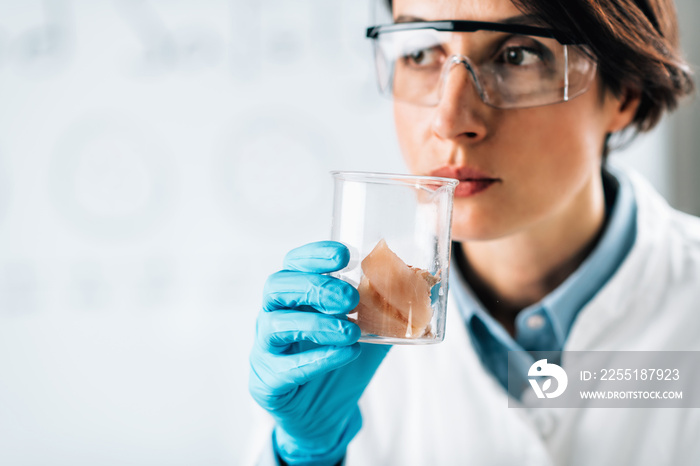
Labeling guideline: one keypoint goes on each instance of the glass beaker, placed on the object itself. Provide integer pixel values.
(398, 230)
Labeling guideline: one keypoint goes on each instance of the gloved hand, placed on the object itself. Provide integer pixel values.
(307, 369)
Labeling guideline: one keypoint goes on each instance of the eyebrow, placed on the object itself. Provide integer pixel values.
(527, 20)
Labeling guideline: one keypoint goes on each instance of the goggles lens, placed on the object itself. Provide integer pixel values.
(509, 70)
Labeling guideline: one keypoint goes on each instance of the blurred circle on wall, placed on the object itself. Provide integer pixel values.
(273, 173)
(111, 177)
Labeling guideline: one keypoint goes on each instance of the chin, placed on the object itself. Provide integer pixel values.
(473, 230)
(471, 223)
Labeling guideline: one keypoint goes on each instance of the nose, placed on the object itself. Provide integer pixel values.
(460, 112)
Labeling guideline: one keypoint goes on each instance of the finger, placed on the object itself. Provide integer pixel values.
(319, 257)
(281, 373)
(295, 290)
(278, 330)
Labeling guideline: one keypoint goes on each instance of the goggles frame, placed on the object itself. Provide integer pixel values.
(563, 38)
(472, 26)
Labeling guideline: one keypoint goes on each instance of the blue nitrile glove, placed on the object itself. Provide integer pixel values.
(307, 369)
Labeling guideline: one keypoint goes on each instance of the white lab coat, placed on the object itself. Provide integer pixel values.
(437, 405)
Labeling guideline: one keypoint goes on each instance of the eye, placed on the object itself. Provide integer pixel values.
(423, 58)
(520, 56)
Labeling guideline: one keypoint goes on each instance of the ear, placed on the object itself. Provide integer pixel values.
(624, 108)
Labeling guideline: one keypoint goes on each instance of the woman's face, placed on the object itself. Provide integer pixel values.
(518, 168)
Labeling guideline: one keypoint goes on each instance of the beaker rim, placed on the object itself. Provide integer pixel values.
(393, 178)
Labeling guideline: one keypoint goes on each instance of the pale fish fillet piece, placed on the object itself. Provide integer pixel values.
(394, 297)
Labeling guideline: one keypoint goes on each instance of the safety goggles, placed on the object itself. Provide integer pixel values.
(511, 65)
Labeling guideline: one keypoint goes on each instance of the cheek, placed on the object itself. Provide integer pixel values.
(560, 146)
(413, 134)
(545, 158)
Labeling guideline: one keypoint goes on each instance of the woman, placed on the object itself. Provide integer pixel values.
(553, 251)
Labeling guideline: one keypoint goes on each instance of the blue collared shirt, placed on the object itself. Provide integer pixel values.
(544, 326)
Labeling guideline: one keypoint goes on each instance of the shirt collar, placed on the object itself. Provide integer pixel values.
(563, 304)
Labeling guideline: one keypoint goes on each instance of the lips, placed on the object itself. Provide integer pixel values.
(471, 180)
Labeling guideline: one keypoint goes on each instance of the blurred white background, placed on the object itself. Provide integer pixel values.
(157, 160)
